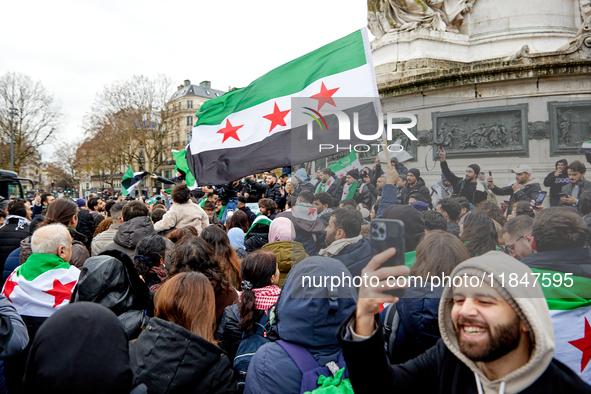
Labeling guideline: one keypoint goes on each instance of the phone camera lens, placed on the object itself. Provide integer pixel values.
(382, 231)
(375, 225)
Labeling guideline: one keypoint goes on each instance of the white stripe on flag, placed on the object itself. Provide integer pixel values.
(569, 326)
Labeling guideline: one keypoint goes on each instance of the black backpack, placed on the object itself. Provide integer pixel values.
(251, 342)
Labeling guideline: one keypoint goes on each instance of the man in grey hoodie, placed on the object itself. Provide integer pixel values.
(496, 336)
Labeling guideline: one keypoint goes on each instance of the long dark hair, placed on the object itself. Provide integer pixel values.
(197, 255)
(61, 211)
(257, 268)
(148, 254)
(240, 220)
(220, 242)
(479, 233)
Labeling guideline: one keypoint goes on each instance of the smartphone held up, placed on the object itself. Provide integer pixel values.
(385, 234)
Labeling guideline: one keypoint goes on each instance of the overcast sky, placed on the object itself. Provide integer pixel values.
(76, 47)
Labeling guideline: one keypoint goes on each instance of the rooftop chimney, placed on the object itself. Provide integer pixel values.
(205, 84)
(187, 82)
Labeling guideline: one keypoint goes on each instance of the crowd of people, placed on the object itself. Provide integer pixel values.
(202, 291)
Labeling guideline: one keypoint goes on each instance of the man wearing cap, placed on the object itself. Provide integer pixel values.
(526, 187)
(469, 187)
(415, 184)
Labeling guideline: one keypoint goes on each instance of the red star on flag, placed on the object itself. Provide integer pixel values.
(277, 118)
(9, 287)
(584, 345)
(61, 292)
(229, 131)
(311, 211)
(325, 96)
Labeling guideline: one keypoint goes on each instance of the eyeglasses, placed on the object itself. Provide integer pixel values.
(509, 248)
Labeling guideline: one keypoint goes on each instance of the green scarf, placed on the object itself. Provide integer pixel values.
(352, 190)
(39, 263)
(221, 214)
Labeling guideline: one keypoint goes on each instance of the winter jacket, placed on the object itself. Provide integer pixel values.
(309, 228)
(229, 334)
(355, 256)
(250, 214)
(586, 218)
(475, 192)
(419, 188)
(110, 279)
(527, 192)
(584, 186)
(93, 354)
(556, 183)
(309, 321)
(273, 193)
(256, 190)
(182, 215)
(304, 186)
(13, 331)
(79, 251)
(14, 230)
(129, 234)
(103, 239)
(574, 260)
(363, 195)
(453, 228)
(334, 189)
(444, 369)
(98, 218)
(288, 254)
(255, 241)
(438, 192)
(415, 328)
(170, 359)
(12, 261)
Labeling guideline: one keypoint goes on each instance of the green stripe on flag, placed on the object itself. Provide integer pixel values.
(261, 219)
(39, 263)
(344, 54)
(180, 161)
(561, 293)
(126, 181)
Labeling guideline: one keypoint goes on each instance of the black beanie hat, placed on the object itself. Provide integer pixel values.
(354, 173)
(475, 167)
(415, 172)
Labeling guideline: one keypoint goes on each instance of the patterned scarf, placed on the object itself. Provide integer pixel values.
(322, 187)
(264, 297)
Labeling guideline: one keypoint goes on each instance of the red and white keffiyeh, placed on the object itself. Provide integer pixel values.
(265, 297)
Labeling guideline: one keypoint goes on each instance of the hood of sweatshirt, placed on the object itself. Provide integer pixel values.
(528, 302)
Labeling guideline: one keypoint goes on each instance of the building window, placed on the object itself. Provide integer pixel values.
(189, 121)
(189, 104)
(188, 138)
(88, 185)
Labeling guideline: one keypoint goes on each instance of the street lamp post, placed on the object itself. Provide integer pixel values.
(13, 112)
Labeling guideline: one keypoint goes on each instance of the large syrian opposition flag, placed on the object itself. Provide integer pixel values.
(256, 128)
(130, 180)
(570, 307)
(346, 164)
(42, 285)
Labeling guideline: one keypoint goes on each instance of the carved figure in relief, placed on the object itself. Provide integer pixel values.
(385, 16)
